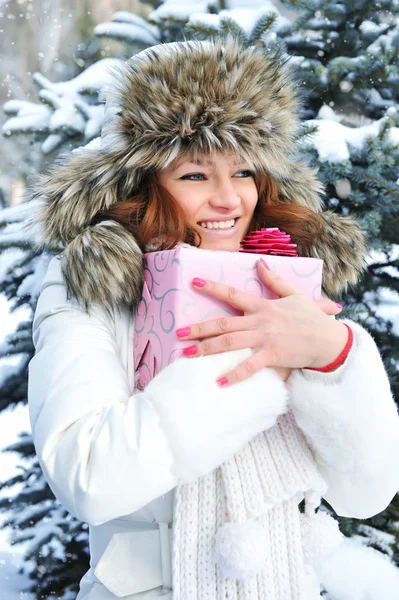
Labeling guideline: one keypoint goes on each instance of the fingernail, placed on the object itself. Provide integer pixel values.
(190, 351)
(339, 305)
(266, 265)
(183, 332)
(199, 282)
(222, 381)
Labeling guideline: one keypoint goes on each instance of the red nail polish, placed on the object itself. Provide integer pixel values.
(199, 282)
(265, 263)
(222, 381)
(183, 332)
(339, 305)
(190, 351)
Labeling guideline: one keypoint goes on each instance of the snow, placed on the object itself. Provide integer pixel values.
(385, 541)
(355, 572)
(387, 40)
(7, 369)
(197, 13)
(11, 423)
(205, 19)
(327, 113)
(251, 4)
(14, 234)
(31, 284)
(129, 27)
(29, 117)
(370, 27)
(87, 82)
(65, 115)
(52, 142)
(11, 582)
(374, 97)
(171, 9)
(94, 144)
(129, 32)
(122, 16)
(67, 109)
(332, 139)
(384, 300)
(389, 307)
(246, 18)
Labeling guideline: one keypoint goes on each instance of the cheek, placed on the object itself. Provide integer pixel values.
(251, 200)
(189, 202)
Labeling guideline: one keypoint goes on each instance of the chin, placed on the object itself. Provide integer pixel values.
(224, 245)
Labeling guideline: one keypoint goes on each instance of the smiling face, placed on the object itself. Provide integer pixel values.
(218, 195)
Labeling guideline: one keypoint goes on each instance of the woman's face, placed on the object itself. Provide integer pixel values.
(218, 195)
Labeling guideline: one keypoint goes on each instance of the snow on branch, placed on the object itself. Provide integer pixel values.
(69, 109)
(333, 140)
(246, 18)
(129, 28)
(202, 16)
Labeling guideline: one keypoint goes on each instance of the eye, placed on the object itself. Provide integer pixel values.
(244, 173)
(194, 177)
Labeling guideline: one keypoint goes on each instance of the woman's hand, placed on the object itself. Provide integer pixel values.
(289, 332)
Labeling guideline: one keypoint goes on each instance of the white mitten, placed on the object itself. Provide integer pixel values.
(207, 424)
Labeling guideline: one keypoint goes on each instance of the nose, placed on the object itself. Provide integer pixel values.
(224, 194)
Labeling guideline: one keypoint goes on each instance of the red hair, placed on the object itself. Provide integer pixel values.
(154, 213)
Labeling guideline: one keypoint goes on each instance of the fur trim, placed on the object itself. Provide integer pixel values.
(351, 422)
(104, 262)
(209, 424)
(186, 96)
(343, 249)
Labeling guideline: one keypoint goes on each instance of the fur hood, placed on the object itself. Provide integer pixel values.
(183, 96)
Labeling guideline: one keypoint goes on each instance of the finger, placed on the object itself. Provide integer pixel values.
(224, 343)
(277, 284)
(226, 293)
(214, 327)
(328, 306)
(244, 370)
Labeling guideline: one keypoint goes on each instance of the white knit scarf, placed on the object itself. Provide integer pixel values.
(238, 531)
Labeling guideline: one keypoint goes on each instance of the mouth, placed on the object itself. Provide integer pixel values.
(225, 232)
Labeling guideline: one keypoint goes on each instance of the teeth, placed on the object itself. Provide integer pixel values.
(218, 224)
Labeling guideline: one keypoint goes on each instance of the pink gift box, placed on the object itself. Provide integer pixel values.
(169, 300)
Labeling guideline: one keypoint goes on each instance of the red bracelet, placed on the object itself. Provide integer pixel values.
(341, 358)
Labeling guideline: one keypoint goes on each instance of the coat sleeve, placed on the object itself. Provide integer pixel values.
(351, 422)
(107, 452)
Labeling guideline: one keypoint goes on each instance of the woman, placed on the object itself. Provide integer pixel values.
(279, 405)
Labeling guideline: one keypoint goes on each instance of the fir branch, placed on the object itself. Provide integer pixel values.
(165, 21)
(230, 27)
(200, 31)
(9, 483)
(304, 5)
(263, 25)
(363, 175)
(23, 446)
(305, 132)
(15, 243)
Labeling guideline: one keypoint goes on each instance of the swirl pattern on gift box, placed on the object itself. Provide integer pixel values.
(169, 300)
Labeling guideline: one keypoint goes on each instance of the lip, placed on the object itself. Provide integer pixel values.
(223, 233)
(216, 220)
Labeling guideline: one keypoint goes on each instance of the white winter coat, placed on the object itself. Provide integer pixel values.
(113, 458)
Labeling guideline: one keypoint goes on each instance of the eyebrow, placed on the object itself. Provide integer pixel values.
(209, 163)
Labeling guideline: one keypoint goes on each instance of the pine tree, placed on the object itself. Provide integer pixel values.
(345, 55)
